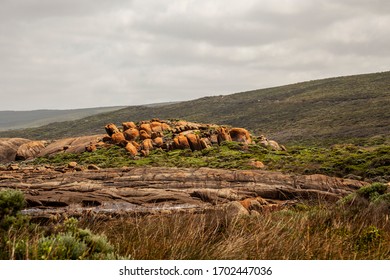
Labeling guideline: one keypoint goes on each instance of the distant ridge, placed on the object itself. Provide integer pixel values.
(35, 118)
(334, 110)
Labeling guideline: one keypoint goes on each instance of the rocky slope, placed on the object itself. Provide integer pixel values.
(152, 190)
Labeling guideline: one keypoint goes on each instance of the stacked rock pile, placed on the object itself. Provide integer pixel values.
(140, 138)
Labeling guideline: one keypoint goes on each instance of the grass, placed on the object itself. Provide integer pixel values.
(348, 160)
(357, 228)
(318, 232)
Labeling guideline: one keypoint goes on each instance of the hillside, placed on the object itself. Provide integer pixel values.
(36, 118)
(327, 110)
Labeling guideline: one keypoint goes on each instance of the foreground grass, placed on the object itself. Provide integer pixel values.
(320, 232)
(357, 227)
(360, 162)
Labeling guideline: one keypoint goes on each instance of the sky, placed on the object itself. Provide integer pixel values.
(57, 54)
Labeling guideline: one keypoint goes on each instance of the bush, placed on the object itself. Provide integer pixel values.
(11, 202)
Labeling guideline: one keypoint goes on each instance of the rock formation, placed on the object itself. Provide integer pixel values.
(139, 139)
(171, 134)
(152, 189)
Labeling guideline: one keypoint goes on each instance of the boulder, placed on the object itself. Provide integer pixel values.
(72, 164)
(147, 144)
(118, 138)
(234, 210)
(30, 150)
(194, 142)
(131, 149)
(131, 134)
(111, 129)
(257, 164)
(158, 142)
(205, 143)
(9, 148)
(146, 127)
(70, 145)
(156, 126)
(223, 135)
(143, 134)
(269, 144)
(181, 142)
(128, 125)
(240, 135)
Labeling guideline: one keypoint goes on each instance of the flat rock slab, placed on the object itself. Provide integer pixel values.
(151, 188)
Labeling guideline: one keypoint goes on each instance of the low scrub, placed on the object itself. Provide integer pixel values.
(348, 160)
(20, 239)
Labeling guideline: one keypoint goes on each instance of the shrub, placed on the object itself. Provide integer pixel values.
(11, 202)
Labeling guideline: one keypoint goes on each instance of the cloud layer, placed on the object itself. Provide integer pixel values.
(73, 54)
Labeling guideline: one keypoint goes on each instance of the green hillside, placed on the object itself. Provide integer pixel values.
(351, 108)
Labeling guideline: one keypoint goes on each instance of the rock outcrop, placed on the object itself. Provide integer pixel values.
(169, 134)
(137, 138)
(147, 190)
(9, 148)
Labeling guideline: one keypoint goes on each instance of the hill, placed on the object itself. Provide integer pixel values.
(25, 119)
(328, 110)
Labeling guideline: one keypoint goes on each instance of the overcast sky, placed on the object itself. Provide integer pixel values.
(89, 53)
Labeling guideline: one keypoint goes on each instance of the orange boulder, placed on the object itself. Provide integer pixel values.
(118, 137)
(194, 142)
(240, 135)
(131, 149)
(181, 142)
(147, 144)
(128, 125)
(111, 129)
(131, 134)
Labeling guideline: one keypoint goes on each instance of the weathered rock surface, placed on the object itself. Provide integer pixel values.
(9, 148)
(70, 145)
(146, 190)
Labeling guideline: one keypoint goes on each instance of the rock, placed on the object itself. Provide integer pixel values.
(30, 150)
(240, 135)
(223, 135)
(205, 143)
(147, 144)
(257, 164)
(181, 142)
(178, 189)
(194, 142)
(156, 126)
(90, 148)
(72, 164)
(131, 149)
(73, 145)
(158, 142)
(143, 134)
(234, 210)
(118, 138)
(253, 204)
(9, 148)
(93, 167)
(269, 144)
(111, 129)
(13, 167)
(128, 125)
(131, 134)
(146, 127)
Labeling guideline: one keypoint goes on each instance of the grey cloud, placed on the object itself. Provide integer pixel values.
(68, 54)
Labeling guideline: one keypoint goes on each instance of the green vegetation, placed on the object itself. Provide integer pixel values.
(337, 110)
(21, 239)
(348, 160)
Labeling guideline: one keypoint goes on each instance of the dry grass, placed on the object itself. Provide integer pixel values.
(313, 233)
